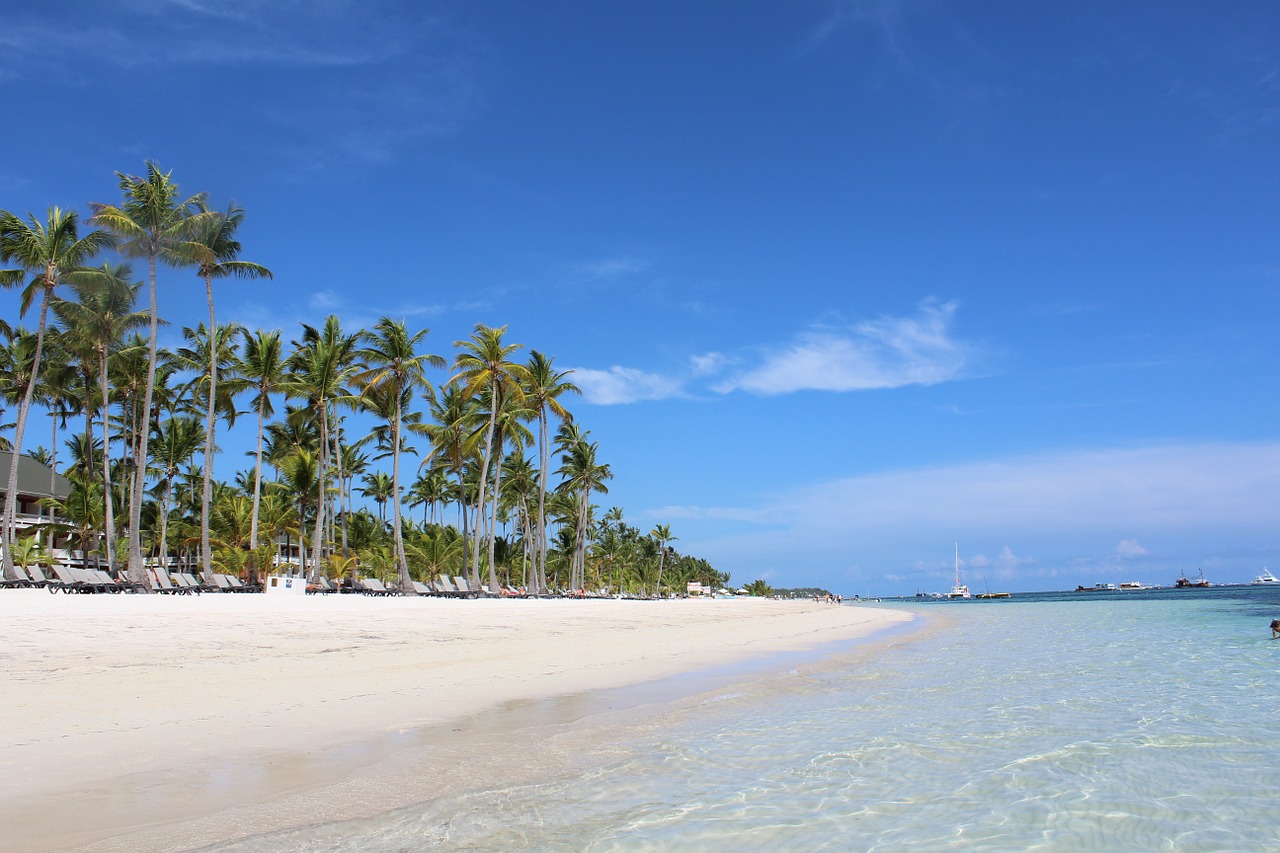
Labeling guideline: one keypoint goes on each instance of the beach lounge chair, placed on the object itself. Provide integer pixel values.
(192, 582)
(21, 581)
(373, 586)
(38, 578)
(422, 589)
(219, 583)
(68, 582)
(464, 589)
(160, 583)
(110, 584)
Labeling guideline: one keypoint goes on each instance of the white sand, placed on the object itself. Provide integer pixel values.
(129, 713)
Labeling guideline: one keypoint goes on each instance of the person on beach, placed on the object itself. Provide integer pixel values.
(1275, 628)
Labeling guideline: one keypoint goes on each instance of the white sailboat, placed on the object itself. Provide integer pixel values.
(958, 590)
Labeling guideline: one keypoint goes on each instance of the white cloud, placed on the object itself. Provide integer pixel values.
(1069, 508)
(708, 364)
(886, 353)
(624, 385)
(610, 267)
(1130, 548)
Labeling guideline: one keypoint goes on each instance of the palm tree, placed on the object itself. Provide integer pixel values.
(262, 366)
(56, 392)
(211, 352)
(98, 319)
(508, 426)
(583, 475)
(321, 366)
(177, 440)
(545, 386)
(150, 223)
(662, 533)
(430, 488)
(216, 251)
(483, 365)
(379, 486)
(397, 371)
(53, 252)
(453, 441)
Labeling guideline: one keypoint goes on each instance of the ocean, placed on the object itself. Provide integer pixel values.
(1073, 721)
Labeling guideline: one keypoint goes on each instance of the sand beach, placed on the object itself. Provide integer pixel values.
(165, 723)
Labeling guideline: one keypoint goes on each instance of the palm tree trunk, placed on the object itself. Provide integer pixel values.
(11, 492)
(137, 568)
(544, 460)
(322, 476)
(206, 484)
(402, 562)
(484, 480)
(108, 494)
(257, 480)
(493, 518)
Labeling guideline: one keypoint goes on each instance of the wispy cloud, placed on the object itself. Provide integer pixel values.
(1069, 509)
(1130, 548)
(338, 84)
(624, 385)
(886, 353)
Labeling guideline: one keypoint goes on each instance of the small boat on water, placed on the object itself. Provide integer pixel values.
(958, 590)
(989, 594)
(1184, 582)
(1265, 578)
(1097, 587)
(1134, 585)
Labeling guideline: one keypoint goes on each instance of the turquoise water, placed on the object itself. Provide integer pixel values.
(1096, 722)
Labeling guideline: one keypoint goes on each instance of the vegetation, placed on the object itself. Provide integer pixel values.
(505, 476)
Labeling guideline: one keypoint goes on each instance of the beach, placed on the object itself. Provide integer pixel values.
(153, 723)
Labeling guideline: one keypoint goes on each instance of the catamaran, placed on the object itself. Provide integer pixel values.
(958, 590)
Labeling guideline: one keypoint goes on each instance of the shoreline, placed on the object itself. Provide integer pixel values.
(220, 717)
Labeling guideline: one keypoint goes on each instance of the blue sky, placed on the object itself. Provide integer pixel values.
(844, 283)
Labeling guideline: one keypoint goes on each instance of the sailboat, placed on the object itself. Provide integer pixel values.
(958, 590)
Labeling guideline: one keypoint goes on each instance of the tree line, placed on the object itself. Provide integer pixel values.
(506, 479)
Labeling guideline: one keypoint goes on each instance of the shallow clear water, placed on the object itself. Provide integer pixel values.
(1100, 721)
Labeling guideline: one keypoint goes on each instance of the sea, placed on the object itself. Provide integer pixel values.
(1133, 721)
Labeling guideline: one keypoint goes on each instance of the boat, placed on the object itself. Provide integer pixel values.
(989, 594)
(1265, 578)
(1184, 582)
(958, 590)
(1097, 587)
(1132, 585)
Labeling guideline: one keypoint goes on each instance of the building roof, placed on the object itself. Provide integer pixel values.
(34, 478)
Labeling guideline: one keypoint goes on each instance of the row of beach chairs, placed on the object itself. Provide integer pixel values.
(68, 579)
(444, 587)
(72, 579)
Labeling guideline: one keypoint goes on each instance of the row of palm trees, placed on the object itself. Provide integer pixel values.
(149, 413)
